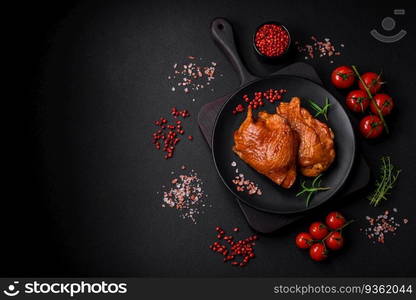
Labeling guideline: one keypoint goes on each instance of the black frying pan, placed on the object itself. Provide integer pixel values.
(275, 199)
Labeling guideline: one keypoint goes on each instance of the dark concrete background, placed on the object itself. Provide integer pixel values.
(92, 77)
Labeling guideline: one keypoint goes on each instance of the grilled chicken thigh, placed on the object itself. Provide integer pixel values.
(316, 147)
(268, 145)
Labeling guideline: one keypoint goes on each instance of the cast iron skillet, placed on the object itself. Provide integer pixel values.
(274, 198)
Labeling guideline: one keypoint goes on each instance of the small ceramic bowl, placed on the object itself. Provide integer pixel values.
(272, 58)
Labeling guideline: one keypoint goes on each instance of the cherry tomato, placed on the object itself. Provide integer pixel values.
(304, 240)
(357, 100)
(335, 220)
(371, 127)
(384, 103)
(335, 240)
(318, 252)
(318, 230)
(343, 77)
(372, 81)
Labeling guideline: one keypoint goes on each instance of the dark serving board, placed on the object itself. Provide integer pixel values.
(266, 222)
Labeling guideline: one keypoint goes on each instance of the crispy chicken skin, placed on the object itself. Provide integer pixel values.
(316, 147)
(268, 145)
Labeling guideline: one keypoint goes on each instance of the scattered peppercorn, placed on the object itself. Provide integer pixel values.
(259, 99)
(232, 249)
(167, 136)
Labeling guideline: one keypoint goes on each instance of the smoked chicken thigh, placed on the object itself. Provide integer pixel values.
(268, 145)
(316, 146)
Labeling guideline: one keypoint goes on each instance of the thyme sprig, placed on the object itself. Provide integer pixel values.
(386, 181)
(309, 191)
(321, 110)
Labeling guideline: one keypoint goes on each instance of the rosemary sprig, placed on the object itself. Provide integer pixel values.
(387, 179)
(321, 110)
(371, 97)
(315, 187)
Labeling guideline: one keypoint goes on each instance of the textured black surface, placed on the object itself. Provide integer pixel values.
(84, 176)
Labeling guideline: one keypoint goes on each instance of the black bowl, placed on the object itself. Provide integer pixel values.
(272, 58)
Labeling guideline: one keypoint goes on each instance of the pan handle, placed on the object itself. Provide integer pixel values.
(223, 35)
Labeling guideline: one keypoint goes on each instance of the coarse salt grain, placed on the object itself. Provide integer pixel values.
(242, 184)
(186, 195)
(380, 226)
(193, 75)
(316, 48)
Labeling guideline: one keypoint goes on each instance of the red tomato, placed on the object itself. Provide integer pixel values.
(384, 103)
(371, 127)
(343, 77)
(335, 220)
(304, 240)
(318, 252)
(335, 241)
(372, 81)
(357, 100)
(318, 230)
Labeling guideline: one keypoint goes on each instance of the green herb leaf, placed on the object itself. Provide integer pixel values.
(321, 110)
(387, 178)
(315, 187)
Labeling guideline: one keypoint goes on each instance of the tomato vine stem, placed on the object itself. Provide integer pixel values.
(371, 98)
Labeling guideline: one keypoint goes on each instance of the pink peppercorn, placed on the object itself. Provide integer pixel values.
(272, 40)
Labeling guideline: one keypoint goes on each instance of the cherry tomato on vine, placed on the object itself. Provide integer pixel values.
(372, 81)
(304, 240)
(335, 220)
(357, 100)
(371, 127)
(335, 240)
(343, 77)
(318, 230)
(384, 103)
(318, 252)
